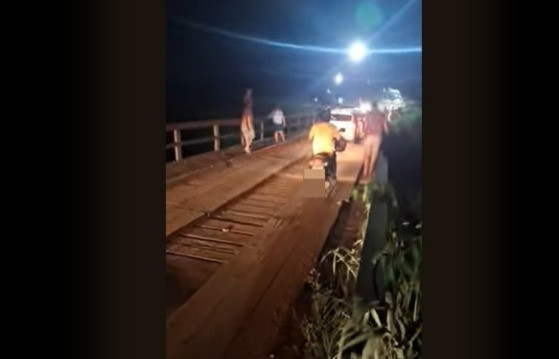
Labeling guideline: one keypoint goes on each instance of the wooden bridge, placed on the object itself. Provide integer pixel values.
(241, 238)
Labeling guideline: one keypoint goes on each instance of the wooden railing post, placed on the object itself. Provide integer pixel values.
(217, 142)
(178, 144)
(261, 130)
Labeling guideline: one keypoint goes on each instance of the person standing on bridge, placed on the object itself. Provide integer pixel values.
(375, 127)
(279, 124)
(247, 127)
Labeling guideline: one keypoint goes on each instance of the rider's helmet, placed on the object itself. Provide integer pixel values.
(324, 115)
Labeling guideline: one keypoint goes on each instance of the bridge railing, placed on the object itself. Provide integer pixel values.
(294, 123)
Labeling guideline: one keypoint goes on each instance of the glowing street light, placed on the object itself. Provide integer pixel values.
(338, 79)
(340, 100)
(328, 91)
(357, 51)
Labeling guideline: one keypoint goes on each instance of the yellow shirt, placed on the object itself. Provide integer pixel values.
(322, 136)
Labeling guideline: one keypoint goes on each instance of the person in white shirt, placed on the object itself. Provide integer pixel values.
(278, 120)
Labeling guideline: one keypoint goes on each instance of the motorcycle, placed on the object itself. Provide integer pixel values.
(321, 161)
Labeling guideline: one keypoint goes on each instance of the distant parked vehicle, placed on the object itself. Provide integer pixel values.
(347, 122)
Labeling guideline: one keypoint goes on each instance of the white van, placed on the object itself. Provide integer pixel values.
(344, 118)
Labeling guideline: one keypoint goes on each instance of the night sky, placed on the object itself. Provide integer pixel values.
(207, 72)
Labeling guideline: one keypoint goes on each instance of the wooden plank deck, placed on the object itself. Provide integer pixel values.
(197, 195)
(178, 171)
(222, 229)
(255, 285)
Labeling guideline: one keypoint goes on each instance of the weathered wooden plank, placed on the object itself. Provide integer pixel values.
(259, 203)
(251, 212)
(203, 242)
(288, 280)
(247, 208)
(216, 234)
(195, 250)
(237, 218)
(196, 182)
(176, 217)
(258, 335)
(217, 312)
(180, 193)
(233, 156)
(226, 226)
(189, 327)
(276, 200)
(220, 192)
(208, 239)
(273, 192)
(181, 283)
(207, 251)
(277, 189)
(235, 183)
(193, 256)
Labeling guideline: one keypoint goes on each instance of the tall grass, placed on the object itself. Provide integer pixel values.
(339, 327)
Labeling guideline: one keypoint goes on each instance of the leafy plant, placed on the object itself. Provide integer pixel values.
(323, 329)
(341, 329)
(331, 301)
(391, 329)
(342, 268)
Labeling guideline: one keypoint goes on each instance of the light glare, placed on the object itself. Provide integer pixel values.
(338, 79)
(357, 51)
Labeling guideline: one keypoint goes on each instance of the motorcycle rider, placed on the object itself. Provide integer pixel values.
(324, 136)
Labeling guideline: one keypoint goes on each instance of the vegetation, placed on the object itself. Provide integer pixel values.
(409, 122)
(340, 328)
